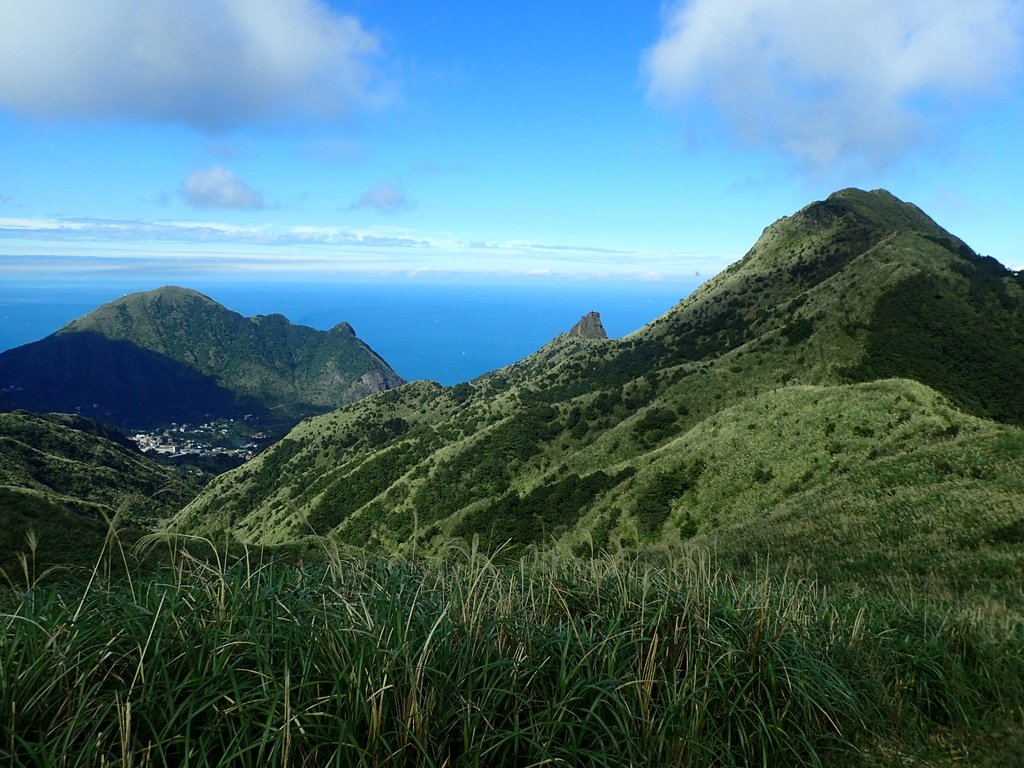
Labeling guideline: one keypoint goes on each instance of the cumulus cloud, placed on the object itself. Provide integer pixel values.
(207, 63)
(830, 83)
(386, 197)
(219, 188)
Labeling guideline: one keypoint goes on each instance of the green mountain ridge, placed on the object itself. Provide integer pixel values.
(843, 314)
(265, 357)
(173, 354)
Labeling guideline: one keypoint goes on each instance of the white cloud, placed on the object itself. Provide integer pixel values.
(386, 197)
(838, 82)
(207, 63)
(219, 188)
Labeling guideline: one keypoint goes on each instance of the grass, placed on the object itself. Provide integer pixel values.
(354, 660)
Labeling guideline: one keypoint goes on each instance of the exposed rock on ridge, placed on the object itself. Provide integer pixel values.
(589, 327)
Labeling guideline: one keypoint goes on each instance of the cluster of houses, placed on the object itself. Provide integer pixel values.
(209, 439)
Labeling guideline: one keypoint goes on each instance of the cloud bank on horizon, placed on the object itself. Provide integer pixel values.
(210, 64)
(47, 247)
(848, 81)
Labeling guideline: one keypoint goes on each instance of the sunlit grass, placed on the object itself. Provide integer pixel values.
(362, 661)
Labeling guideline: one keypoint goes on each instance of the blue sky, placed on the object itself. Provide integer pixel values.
(502, 140)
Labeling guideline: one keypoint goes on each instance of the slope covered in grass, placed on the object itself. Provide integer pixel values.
(174, 355)
(781, 525)
(61, 476)
(609, 662)
(732, 405)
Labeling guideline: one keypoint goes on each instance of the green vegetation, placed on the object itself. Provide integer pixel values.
(972, 352)
(468, 662)
(62, 477)
(946, 518)
(174, 355)
(654, 504)
(855, 289)
(781, 525)
(543, 514)
(264, 357)
(350, 491)
(113, 381)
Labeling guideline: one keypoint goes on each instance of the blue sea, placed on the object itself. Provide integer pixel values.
(446, 332)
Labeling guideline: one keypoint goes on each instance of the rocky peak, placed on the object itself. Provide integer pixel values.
(589, 327)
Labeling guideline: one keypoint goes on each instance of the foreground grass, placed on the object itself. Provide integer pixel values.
(360, 661)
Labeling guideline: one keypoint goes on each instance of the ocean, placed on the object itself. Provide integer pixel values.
(445, 332)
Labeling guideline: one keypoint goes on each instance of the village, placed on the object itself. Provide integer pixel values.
(219, 437)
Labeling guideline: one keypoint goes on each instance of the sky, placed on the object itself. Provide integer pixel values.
(619, 140)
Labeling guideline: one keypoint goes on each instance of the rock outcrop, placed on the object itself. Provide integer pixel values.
(589, 327)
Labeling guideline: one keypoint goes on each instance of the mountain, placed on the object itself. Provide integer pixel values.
(175, 355)
(62, 476)
(857, 358)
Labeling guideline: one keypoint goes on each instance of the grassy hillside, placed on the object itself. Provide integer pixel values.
(265, 357)
(61, 477)
(175, 355)
(607, 662)
(732, 408)
(880, 484)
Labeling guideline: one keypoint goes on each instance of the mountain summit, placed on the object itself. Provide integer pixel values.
(858, 287)
(173, 354)
(853, 333)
